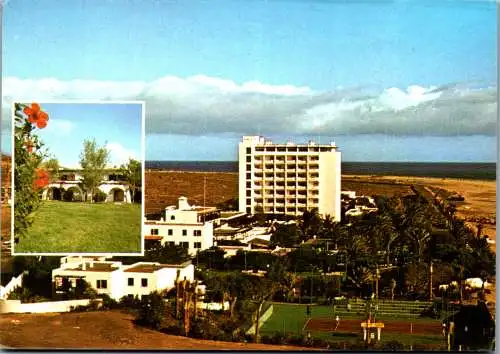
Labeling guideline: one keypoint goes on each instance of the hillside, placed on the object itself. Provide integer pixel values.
(101, 330)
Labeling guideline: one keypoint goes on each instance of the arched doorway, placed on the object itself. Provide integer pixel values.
(117, 195)
(73, 194)
(54, 193)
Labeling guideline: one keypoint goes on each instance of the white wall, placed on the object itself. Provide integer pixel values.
(15, 306)
(206, 238)
(137, 288)
(91, 277)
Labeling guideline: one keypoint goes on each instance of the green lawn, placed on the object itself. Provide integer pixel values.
(291, 318)
(68, 227)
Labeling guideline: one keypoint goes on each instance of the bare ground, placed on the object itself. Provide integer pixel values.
(101, 330)
(480, 196)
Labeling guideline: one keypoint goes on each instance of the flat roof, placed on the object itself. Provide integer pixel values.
(144, 268)
(96, 267)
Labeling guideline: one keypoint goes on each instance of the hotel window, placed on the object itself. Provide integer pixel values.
(171, 243)
(184, 244)
(102, 284)
(130, 281)
(144, 282)
(196, 232)
(249, 184)
(249, 158)
(249, 193)
(184, 232)
(249, 150)
(170, 232)
(249, 175)
(249, 210)
(154, 231)
(197, 245)
(172, 217)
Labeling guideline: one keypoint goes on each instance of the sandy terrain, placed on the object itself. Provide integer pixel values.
(101, 330)
(480, 196)
(163, 188)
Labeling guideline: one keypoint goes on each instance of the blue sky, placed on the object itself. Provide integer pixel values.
(116, 126)
(388, 81)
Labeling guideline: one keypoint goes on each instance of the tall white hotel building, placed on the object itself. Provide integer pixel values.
(289, 178)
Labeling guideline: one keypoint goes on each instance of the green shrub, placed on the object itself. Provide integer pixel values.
(108, 303)
(151, 311)
(68, 195)
(130, 302)
(100, 196)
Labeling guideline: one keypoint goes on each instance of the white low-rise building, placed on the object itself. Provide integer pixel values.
(188, 226)
(113, 185)
(118, 280)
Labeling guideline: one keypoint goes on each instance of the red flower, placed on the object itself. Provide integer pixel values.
(35, 115)
(42, 178)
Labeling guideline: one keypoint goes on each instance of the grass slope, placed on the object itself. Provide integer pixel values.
(62, 227)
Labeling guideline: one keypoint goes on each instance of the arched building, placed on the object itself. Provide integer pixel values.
(69, 187)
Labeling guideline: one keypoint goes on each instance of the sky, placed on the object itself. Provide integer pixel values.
(118, 127)
(387, 81)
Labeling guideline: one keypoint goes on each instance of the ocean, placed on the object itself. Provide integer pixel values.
(471, 170)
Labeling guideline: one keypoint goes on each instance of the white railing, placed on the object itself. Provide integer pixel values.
(13, 283)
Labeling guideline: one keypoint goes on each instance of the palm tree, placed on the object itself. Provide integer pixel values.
(310, 223)
(332, 230)
(388, 233)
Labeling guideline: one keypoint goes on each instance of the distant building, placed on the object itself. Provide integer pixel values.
(118, 280)
(113, 185)
(188, 226)
(289, 178)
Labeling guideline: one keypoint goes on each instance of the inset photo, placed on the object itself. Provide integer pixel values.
(78, 174)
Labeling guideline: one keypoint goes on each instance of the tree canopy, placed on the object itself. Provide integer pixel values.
(93, 160)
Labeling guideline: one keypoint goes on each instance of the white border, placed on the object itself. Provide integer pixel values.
(143, 162)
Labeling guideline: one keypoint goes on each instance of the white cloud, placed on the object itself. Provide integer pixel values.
(119, 155)
(201, 105)
(60, 127)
